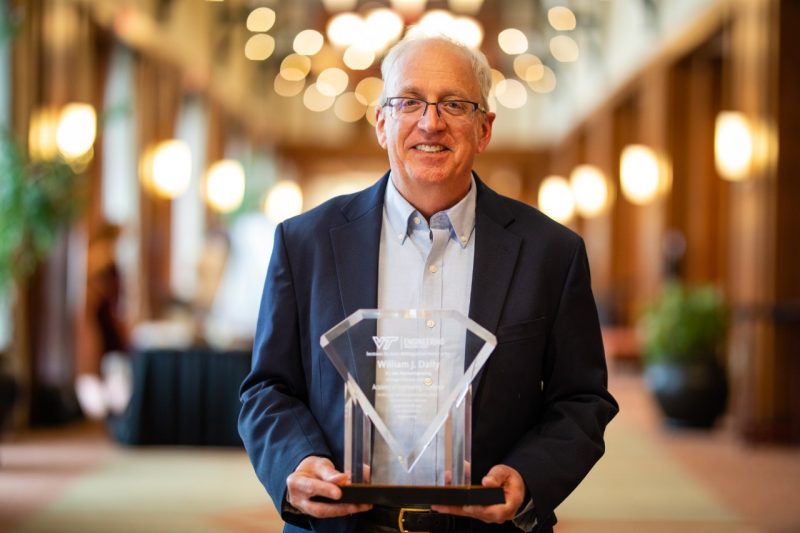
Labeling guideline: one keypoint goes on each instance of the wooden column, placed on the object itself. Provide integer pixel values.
(764, 258)
(597, 232)
(158, 94)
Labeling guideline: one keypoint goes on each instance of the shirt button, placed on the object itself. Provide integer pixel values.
(463, 238)
(428, 381)
(416, 220)
(433, 269)
(430, 323)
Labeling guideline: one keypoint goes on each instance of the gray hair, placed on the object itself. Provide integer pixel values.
(478, 62)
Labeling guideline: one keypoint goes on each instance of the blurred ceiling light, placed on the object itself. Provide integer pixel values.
(468, 31)
(344, 29)
(561, 18)
(434, 22)
(408, 7)
(528, 67)
(225, 185)
(564, 48)
(261, 19)
(288, 88)
(332, 6)
(465, 30)
(172, 168)
(512, 41)
(511, 94)
(77, 128)
(556, 200)
(733, 145)
(295, 67)
(368, 90)
(497, 77)
(590, 189)
(314, 100)
(308, 42)
(332, 81)
(465, 6)
(259, 47)
(383, 27)
(357, 58)
(349, 108)
(284, 200)
(42, 133)
(639, 174)
(545, 84)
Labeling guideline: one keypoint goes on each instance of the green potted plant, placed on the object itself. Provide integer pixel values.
(683, 333)
(38, 200)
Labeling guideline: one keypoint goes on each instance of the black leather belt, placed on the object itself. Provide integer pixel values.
(416, 520)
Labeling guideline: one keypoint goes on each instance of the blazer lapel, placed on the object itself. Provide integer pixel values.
(356, 246)
(496, 252)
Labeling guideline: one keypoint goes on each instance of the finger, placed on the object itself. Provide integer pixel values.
(301, 488)
(331, 510)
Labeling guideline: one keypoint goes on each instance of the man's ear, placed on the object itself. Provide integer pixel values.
(380, 126)
(485, 134)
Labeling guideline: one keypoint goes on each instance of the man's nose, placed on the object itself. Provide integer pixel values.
(431, 119)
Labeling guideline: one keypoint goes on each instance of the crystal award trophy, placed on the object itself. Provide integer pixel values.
(407, 397)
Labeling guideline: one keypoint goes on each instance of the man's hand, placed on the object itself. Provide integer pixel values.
(316, 476)
(513, 488)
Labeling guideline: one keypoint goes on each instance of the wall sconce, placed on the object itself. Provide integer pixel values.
(170, 168)
(77, 129)
(590, 190)
(284, 200)
(42, 129)
(733, 145)
(640, 174)
(70, 132)
(225, 185)
(556, 200)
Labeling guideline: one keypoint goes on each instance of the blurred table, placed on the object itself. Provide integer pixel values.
(183, 397)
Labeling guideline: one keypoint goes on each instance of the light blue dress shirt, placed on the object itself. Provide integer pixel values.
(425, 265)
(422, 265)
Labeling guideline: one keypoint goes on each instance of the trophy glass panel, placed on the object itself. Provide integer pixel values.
(408, 377)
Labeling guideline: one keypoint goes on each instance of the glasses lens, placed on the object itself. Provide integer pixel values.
(455, 108)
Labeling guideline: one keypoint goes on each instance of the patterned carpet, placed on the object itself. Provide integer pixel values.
(635, 488)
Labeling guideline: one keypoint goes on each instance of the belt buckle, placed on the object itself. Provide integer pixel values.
(401, 517)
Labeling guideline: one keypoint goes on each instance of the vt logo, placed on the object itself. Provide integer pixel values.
(384, 342)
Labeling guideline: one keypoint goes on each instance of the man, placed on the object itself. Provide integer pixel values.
(542, 405)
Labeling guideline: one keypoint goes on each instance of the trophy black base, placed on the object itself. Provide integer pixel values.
(407, 495)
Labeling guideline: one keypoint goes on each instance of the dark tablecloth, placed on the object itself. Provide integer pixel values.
(183, 397)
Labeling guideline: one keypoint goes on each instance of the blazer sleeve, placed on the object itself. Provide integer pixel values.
(275, 423)
(557, 453)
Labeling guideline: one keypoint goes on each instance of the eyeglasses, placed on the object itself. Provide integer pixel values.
(414, 108)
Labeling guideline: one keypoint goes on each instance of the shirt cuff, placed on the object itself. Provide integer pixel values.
(526, 519)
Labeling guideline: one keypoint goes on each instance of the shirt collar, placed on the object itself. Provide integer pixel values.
(462, 215)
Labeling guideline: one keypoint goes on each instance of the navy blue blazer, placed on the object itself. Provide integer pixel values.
(542, 403)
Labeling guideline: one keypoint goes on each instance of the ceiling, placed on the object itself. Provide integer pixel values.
(207, 39)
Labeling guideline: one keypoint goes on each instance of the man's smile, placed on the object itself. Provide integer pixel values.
(430, 148)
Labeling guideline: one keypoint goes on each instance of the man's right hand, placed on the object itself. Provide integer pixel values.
(316, 476)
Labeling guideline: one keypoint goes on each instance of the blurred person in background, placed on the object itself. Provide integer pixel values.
(103, 381)
(541, 408)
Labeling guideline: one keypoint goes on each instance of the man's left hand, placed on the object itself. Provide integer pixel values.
(513, 488)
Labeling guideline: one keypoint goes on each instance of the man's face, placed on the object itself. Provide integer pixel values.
(433, 150)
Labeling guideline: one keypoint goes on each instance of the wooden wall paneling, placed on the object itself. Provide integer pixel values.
(787, 263)
(650, 218)
(54, 62)
(598, 231)
(158, 96)
(697, 197)
(762, 225)
(624, 260)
